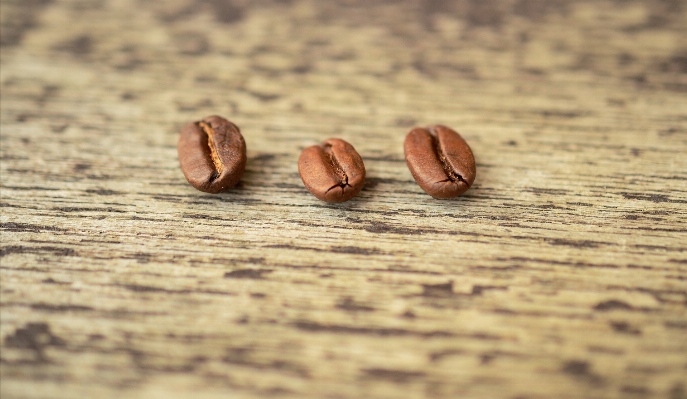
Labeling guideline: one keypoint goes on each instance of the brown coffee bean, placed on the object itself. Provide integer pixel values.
(440, 161)
(212, 154)
(332, 171)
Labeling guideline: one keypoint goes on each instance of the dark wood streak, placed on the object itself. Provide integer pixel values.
(380, 332)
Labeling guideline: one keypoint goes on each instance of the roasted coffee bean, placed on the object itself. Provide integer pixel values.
(212, 154)
(332, 171)
(440, 161)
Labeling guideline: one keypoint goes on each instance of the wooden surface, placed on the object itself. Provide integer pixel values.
(562, 273)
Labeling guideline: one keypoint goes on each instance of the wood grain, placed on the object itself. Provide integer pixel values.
(560, 274)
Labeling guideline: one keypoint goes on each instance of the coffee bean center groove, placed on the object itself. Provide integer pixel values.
(452, 175)
(212, 145)
(337, 169)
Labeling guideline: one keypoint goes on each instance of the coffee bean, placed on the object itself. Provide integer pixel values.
(212, 154)
(332, 171)
(440, 161)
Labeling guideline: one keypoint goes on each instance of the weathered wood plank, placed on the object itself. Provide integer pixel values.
(561, 273)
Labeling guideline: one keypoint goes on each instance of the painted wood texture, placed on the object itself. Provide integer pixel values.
(562, 273)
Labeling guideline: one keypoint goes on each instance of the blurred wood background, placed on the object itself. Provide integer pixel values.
(561, 274)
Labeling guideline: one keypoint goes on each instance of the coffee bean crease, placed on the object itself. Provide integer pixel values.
(212, 147)
(451, 174)
(343, 183)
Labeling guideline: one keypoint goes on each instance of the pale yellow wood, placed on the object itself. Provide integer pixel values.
(561, 274)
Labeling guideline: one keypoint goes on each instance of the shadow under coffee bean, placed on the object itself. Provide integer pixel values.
(212, 154)
(440, 161)
(332, 171)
